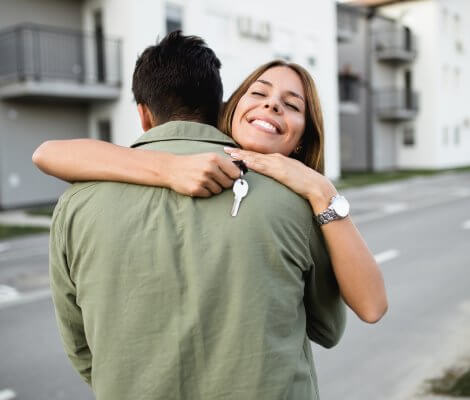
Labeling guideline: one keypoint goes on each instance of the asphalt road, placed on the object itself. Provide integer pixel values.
(419, 230)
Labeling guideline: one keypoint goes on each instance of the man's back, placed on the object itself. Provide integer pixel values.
(179, 300)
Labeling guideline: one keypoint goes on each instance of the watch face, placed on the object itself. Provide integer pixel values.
(341, 206)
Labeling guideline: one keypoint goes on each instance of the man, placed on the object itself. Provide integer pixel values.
(162, 296)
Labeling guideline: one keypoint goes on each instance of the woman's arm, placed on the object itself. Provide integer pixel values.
(359, 277)
(87, 159)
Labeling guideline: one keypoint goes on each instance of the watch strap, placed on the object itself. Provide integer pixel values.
(326, 216)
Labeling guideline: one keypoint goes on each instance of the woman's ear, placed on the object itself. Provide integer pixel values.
(299, 147)
(146, 118)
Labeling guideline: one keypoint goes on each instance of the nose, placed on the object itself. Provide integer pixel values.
(273, 104)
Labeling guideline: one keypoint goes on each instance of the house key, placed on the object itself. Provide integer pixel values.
(240, 190)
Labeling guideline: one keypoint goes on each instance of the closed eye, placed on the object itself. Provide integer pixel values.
(292, 106)
(258, 94)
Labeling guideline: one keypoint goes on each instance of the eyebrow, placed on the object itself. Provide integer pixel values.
(289, 91)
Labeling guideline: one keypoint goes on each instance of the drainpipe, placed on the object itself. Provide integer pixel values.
(369, 54)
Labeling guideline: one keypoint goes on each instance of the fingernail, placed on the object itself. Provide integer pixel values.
(228, 149)
(235, 155)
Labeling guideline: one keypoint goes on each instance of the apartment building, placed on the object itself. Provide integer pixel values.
(378, 100)
(441, 135)
(420, 50)
(66, 67)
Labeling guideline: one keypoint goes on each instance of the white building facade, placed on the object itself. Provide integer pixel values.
(244, 34)
(442, 77)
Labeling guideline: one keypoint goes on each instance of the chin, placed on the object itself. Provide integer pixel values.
(264, 148)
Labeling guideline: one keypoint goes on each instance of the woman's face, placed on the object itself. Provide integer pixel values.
(270, 116)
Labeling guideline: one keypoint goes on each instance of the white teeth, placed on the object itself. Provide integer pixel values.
(264, 124)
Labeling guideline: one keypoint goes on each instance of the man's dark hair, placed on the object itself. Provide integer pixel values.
(179, 79)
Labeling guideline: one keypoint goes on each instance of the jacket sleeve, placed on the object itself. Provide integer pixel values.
(68, 313)
(325, 310)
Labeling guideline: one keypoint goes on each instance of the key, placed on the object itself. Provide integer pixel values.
(240, 190)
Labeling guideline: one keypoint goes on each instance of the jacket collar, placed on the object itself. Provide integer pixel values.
(184, 130)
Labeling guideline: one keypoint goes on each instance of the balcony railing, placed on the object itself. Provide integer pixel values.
(396, 45)
(397, 105)
(42, 61)
(347, 20)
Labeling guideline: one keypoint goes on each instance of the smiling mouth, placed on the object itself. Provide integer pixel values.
(265, 126)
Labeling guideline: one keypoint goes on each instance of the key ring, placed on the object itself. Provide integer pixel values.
(240, 164)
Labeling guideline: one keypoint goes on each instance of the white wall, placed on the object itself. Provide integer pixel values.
(454, 82)
(309, 32)
(444, 99)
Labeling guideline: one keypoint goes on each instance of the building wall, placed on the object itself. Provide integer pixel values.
(26, 124)
(443, 81)
(367, 141)
(453, 83)
(61, 13)
(353, 55)
(384, 76)
(23, 127)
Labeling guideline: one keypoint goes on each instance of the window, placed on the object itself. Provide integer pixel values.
(457, 77)
(104, 130)
(174, 18)
(457, 135)
(445, 136)
(311, 61)
(348, 85)
(409, 136)
(457, 24)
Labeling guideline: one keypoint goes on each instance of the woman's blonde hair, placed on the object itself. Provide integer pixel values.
(312, 142)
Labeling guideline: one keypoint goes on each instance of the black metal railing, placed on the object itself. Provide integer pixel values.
(393, 42)
(37, 52)
(390, 101)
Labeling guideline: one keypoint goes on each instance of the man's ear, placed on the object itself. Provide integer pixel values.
(146, 117)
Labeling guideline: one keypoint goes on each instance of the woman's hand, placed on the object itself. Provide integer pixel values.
(201, 175)
(306, 182)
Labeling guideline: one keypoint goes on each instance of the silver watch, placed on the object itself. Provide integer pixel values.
(338, 209)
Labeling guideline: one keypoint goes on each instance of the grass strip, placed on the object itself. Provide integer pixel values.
(354, 179)
(11, 231)
(453, 383)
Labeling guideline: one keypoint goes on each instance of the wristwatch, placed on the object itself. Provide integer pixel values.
(338, 209)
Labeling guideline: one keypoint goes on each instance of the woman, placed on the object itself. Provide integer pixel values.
(275, 116)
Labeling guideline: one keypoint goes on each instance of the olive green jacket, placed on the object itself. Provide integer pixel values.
(162, 296)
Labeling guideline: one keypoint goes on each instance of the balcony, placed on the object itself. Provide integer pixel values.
(347, 20)
(396, 105)
(396, 45)
(41, 62)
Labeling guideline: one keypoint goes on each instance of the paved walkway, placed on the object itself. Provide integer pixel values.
(21, 218)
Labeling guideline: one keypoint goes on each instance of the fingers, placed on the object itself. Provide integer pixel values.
(229, 168)
(222, 179)
(254, 161)
(200, 192)
(213, 186)
(218, 173)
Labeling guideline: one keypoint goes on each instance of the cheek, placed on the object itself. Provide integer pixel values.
(298, 128)
(238, 116)
(235, 126)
